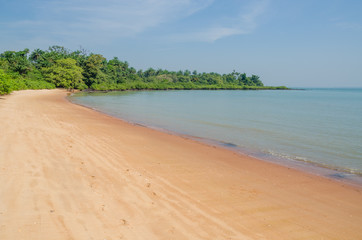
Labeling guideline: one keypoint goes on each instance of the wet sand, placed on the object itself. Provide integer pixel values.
(68, 172)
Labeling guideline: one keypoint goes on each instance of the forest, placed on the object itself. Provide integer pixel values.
(60, 67)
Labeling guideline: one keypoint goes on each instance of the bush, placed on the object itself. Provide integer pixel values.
(5, 83)
(36, 84)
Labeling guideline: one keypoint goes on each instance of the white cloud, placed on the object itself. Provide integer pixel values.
(94, 21)
(124, 16)
(243, 23)
(350, 25)
(209, 35)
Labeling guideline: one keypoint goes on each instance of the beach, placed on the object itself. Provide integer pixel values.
(69, 172)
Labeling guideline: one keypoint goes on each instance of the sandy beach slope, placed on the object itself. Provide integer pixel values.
(67, 172)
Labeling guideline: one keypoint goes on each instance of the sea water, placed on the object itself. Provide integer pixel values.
(318, 126)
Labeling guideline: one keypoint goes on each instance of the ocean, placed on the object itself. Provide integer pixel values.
(305, 127)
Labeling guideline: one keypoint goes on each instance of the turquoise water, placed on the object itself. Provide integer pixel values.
(320, 126)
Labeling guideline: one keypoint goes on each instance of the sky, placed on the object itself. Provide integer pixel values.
(298, 43)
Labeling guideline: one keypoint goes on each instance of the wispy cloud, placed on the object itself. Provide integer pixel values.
(126, 17)
(209, 35)
(243, 23)
(350, 25)
(103, 20)
(93, 22)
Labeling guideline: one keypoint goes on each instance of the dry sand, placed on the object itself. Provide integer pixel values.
(67, 172)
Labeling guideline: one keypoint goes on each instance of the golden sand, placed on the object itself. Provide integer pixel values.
(68, 172)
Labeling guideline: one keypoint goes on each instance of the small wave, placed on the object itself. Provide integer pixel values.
(286, 157)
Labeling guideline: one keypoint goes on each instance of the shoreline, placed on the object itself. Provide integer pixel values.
(335, 173)
(73, 173)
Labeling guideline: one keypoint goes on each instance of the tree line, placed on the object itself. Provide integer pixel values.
(60, 67)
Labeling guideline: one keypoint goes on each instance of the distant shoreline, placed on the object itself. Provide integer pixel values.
(187, 89)
(61, 67)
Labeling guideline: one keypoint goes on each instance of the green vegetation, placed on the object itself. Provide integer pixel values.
(64, 73)
(59, 67)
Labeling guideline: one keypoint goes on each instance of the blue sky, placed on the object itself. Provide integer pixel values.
(316, 43)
